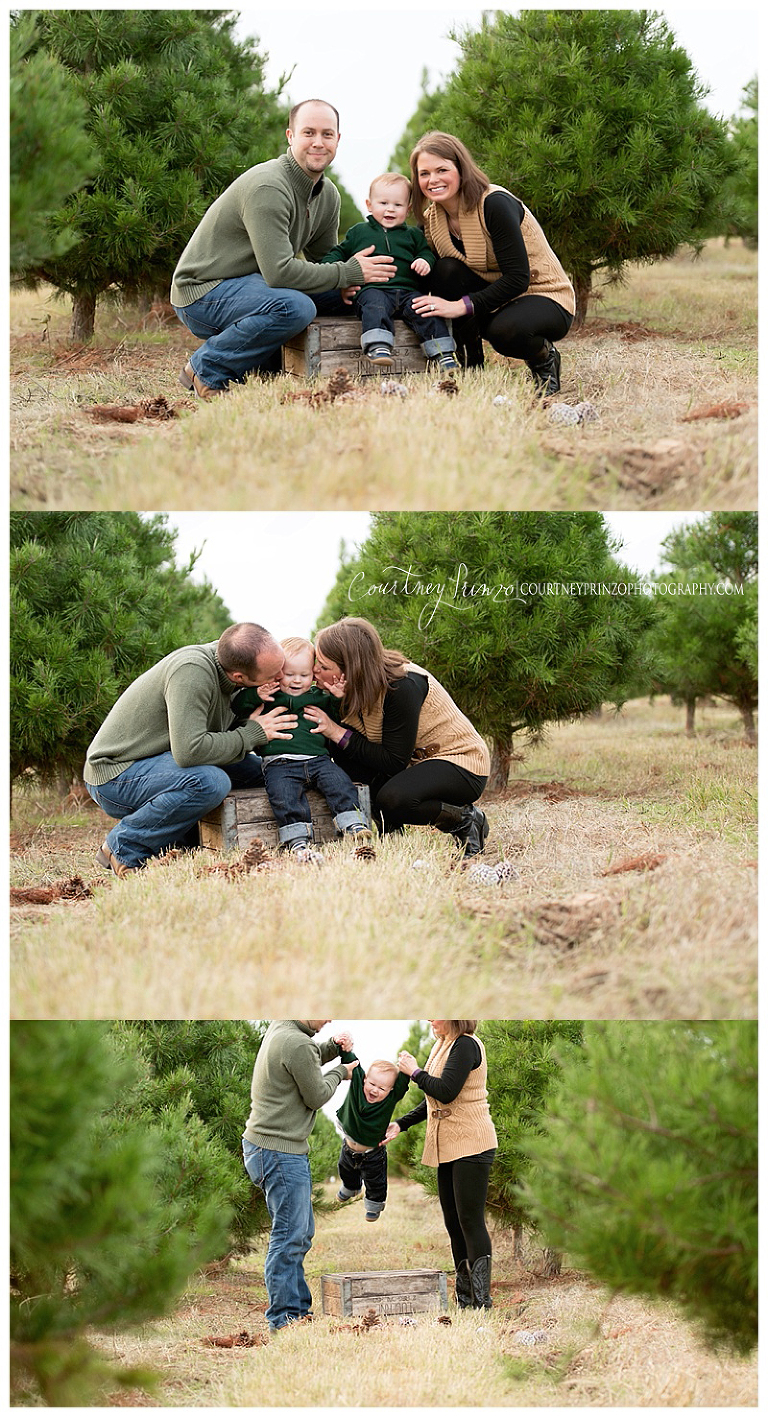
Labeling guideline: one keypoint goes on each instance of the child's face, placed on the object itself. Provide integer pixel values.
(298, 672)
(389, 205)
(377, 1086)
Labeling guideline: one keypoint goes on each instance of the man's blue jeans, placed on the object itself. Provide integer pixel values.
(287, 780)
(244, 322)
(158, 804)
(286, 1182)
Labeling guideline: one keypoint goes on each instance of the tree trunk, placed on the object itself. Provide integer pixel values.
(553, 1264)
(582, 286)
(517, 1242)
(690, 714)
(83, 318)
(748, 719)
(501, 758)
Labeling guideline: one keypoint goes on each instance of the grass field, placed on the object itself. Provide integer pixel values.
(678, 336)
(594, 1351)
(671, 934)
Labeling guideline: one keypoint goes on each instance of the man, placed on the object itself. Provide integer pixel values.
(166, 754)
(287, 1090)
(249, 278)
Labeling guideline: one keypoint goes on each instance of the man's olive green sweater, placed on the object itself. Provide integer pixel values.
(275, 220)
(181, 705)
(288, 1086)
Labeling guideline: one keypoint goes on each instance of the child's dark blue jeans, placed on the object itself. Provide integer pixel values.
(287, 780)
(378, 305)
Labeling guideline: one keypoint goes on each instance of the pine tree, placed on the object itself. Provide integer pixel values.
(646, 1168)
(515, 645)
(743, 186)
(595, 119)
(706, 643)
(95, 599)
(51, 154)
(105, 1225)
(177, 109)
(204, 1068)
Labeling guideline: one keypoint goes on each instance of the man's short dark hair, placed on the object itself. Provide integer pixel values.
(239, 646)
(325, 103)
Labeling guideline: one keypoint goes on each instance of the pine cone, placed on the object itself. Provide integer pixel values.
(370, 1318)
(448, 386)
(365, 853)
(255, 854)
(339, 383)
(156, 407)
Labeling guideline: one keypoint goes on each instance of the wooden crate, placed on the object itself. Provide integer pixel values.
(394, 1291)
(246, 813)
(330, 343)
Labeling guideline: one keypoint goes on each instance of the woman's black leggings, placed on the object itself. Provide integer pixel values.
(518, 330)
(417, 794)
(462, 1187)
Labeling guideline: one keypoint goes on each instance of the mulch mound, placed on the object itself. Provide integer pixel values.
(647, 862)
(72, 889)
(235, 1340)
(728, 409)
(158, 407)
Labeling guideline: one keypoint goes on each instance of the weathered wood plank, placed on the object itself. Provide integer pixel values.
(246, 813)
(386, 1291)
(330, 343)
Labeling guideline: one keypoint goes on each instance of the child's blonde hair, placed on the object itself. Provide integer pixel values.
(388, 179)
(295, 643)
(383, 1065)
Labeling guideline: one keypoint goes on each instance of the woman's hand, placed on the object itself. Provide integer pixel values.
(429, 305)
(325, 724)
(392, 1131)
(407, 1063)
(344, 1041)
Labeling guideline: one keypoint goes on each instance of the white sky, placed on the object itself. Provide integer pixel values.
(368, 62)
(277, 567)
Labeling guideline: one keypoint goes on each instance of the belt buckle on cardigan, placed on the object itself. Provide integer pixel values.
(441, 1113)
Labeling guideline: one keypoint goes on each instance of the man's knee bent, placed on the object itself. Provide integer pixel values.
(300, 309)
(205, 787)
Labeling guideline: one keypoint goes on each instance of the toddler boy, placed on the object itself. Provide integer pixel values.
(377, 305)
(365, 1115)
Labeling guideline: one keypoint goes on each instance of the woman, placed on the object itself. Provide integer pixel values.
(496, 277)
(461, 1142)
(402, 733)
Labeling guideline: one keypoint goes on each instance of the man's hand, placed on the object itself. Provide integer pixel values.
(375, 269)
(276, 723)
(392, 1131)
(349, 1068)
(420, 266)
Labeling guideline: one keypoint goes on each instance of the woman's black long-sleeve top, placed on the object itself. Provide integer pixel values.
(503, 216)
(400, 725)
(462, 1060)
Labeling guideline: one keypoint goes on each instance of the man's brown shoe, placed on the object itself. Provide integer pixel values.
(109, 862)
(189, 380)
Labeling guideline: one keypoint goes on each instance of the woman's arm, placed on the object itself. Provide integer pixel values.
(463, 1058)
(503, 217)
(399, 729)
(412, 1119)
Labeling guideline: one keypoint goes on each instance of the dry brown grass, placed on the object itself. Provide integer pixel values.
(599, 1351)
(677, 941)
(679, 334)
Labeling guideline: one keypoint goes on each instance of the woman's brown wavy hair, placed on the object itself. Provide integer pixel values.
(473, 180)
(369, 669)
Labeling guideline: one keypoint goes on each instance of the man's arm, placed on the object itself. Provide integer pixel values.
(315, 1086)
(267, 219)
(189, 700)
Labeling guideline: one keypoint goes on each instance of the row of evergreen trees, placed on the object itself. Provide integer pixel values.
(96, 599)
(631, 1147)
(598, 121)
(126, 124)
